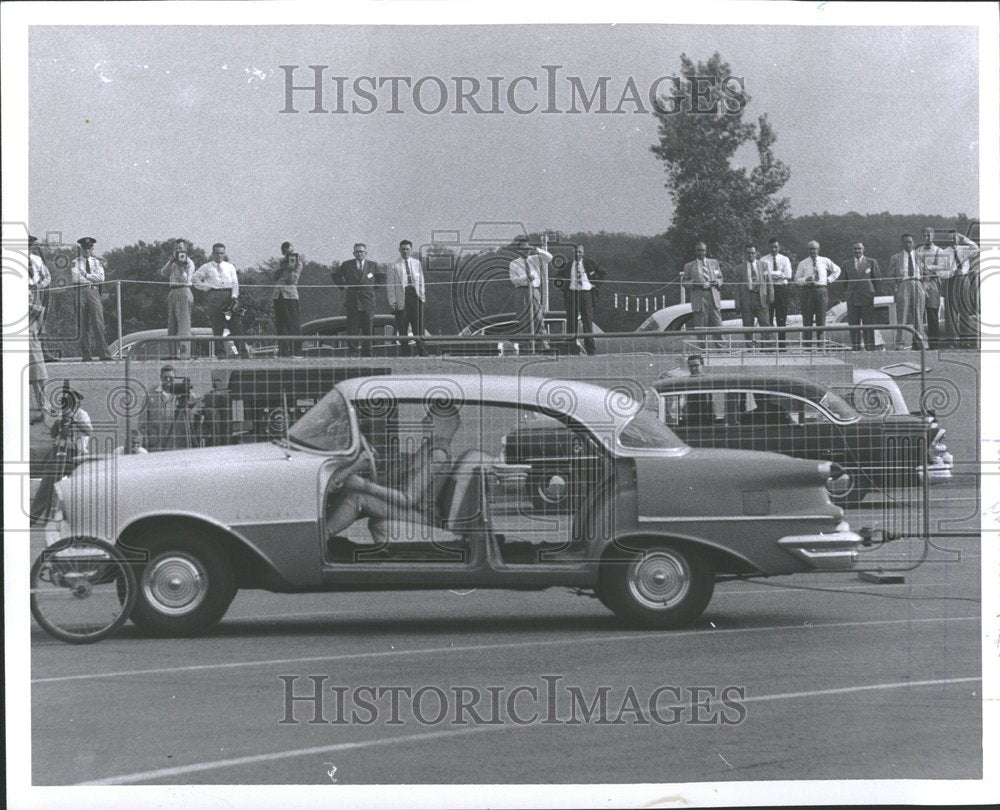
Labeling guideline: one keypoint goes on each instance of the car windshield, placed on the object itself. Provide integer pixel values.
(649, 325)
(326, 426)
(836, 405)
(645, 431)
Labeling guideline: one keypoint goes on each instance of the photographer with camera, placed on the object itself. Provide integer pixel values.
(170, 410)
(218, 278)
(286, 297)
(179, 269)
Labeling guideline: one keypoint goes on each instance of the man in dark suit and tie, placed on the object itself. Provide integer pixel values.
(358, 277)
(754, 290)
(579, 280)
(861, 276)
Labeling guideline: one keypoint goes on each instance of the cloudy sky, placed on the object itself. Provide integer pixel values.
(147, 132)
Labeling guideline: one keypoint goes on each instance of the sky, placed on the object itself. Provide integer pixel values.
(150, 132)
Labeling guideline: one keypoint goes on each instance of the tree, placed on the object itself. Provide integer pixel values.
(715, 202)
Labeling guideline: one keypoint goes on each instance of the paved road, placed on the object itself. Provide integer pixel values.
(855, 680)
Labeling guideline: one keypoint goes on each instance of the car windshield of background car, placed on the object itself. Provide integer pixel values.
(644, 431)
(326, 426)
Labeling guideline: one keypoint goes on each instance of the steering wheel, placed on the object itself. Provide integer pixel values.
(369, 451)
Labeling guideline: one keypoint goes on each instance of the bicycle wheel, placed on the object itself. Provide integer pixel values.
(82, 590)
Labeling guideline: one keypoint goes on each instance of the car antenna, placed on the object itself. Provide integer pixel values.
(285, 443)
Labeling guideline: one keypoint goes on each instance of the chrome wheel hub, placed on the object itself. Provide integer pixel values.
(660, 579)
(175, 584)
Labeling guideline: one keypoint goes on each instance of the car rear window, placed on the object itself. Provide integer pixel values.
(645, 431)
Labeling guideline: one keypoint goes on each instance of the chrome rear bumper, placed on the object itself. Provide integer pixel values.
(836, 551)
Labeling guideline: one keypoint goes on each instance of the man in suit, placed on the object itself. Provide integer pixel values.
(527, 273)
(904, 274)
(861, 277)
(406, 291)
(779, 269)
(933, 261)
(754, 290)
(87, 273)
(702, 279)
(357, 277)
(579, 281)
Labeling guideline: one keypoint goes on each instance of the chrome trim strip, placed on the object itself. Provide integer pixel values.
(699, 518)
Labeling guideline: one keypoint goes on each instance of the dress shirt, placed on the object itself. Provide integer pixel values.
(826, 272)
(179, 276)
(397, 282)
(959, 259)
(578, 277)
(39, 277)
(931, 260)
(526, 271)
(87, 271)
(217, 276)
(779, 267)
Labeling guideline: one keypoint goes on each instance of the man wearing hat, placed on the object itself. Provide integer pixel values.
(87, 272)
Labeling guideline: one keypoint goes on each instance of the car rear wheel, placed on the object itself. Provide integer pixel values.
(664, 587)
(185, 586)
(847, 489)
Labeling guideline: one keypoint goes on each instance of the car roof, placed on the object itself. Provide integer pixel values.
(146, 334)
(767, 382)
(592, 405)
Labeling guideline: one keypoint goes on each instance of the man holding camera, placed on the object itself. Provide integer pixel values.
(286, 297)
(179, 270)
(218, 278)
(167, 420)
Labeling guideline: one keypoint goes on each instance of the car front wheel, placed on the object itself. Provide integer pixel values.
(185, 586)
(664, 586)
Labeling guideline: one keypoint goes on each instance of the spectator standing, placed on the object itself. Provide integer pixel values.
(961, 301)
(38, 375)
(861, 277)
(526, 273)
(579, 281)
(407, 294)
(167, 418)
(754, 290)
(179, 270)
(357, 277)
(702, 278)
(218, 278)
(933, 261)
(71, 434)
(286, 297)
(779, 269)
(904, 273)
(815, 273)
(87, 273)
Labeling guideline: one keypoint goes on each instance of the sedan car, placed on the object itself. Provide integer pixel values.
(399, 484)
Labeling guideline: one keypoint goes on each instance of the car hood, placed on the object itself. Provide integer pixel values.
(203, 458)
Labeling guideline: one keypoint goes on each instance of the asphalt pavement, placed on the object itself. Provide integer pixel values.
(807, 677)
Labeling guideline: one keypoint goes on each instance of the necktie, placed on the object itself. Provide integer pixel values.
(579, 274)
(815, 272)
(409, 276)
(88, 267)
(958, 264)
(909, 258)
(750, 276)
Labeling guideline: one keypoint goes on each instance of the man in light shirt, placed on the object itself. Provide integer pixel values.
(526, 274)
(779, 269)
(179, 270)
(286, 297)
(38, 281)
(904, 273)
(815, 273)
(579, 280)
(961, 302)
(406, 291)
(87, 274)
(218, 278)
(933, 261)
